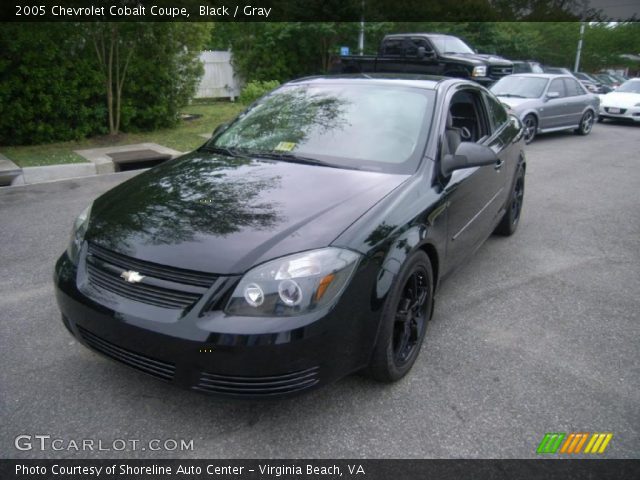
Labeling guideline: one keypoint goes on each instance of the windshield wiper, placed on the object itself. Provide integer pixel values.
(229, 151)
(290, 157)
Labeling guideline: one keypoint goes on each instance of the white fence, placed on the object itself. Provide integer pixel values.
(219, 79)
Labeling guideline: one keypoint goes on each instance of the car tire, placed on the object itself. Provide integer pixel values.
(405, 316)
(586, 123)
(509, 223)
(530, 123)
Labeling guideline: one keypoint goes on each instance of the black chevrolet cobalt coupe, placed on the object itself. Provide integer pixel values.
(305, 241)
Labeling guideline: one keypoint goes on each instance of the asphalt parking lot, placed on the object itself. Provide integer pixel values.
(538, 333)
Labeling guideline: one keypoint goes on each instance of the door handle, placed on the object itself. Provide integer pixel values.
(499, 164)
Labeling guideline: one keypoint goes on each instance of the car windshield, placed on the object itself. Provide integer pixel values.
(369, 127)
(630, 86)
(604, 79)
(446, 44)
(519, 87)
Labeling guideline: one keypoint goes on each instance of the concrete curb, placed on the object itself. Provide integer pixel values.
(104, 163)
(54, 172)
(99, 162)
(128, 173)
(9, 171)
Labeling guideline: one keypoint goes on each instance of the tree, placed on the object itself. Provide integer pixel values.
(109, 39)
(162, 54)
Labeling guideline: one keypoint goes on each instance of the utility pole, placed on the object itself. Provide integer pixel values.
(577, 65)
(361, 34)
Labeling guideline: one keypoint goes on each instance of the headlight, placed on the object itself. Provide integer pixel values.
(479, 72)
(77, 234)
(293, 285)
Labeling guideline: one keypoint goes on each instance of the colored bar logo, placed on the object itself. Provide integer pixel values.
(573, 443)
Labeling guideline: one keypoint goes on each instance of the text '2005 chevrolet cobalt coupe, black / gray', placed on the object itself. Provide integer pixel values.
(303, 242)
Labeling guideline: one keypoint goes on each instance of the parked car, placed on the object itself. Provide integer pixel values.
(556, 70)
(428, 53)
(591, 83)
(302, 242)
(608, 80)
(619, 78)
(527, 66)
(623, 103)
(548, 103)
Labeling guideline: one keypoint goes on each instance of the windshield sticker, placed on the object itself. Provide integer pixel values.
(285, 146)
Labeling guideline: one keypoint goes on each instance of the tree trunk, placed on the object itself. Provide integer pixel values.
(112, 126)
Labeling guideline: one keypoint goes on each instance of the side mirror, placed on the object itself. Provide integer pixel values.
(219, 129)
(468, 154)
(424, 54)
(551, 95)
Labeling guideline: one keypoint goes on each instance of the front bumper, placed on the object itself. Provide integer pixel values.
(214, 353)
(630, 114)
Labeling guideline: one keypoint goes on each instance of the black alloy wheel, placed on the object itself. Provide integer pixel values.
(404, 320)
(411, 318)
(509, 223)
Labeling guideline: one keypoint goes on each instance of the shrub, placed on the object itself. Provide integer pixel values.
(256, 89)
(48, 88)
(52, 87)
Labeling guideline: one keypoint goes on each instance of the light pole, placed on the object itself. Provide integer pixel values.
(577, 64)
(361, 33)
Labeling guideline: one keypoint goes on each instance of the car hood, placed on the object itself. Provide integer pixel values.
(223, 215)
(480, 59)
(518, 104)
(620, 99)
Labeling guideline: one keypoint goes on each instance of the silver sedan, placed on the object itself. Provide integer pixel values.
(548, 102)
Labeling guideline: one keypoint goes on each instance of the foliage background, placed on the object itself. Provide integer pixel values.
(51, 88)
(281, 51)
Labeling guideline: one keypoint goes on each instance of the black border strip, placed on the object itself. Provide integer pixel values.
(318, 10)
(333, 469)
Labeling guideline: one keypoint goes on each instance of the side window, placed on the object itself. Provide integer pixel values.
(423, 42)
(573, 87)
(392, 47)
(410, 48)
(570, 88)
(557, 85)
(497, 114)
(468, 116)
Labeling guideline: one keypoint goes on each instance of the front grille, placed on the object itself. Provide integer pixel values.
(157, 368)
(173, 274)
(620, 111)
(498, 72)
(258, 386)
(162, 286)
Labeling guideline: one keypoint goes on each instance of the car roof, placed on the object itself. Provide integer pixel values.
(427, 82)
(417, 34)
(543, 75)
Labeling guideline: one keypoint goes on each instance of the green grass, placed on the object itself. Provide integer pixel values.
(184, 137)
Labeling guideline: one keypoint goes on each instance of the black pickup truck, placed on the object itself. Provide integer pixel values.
(427, 53)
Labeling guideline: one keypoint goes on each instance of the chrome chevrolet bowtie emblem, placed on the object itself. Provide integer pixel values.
(131, 276)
